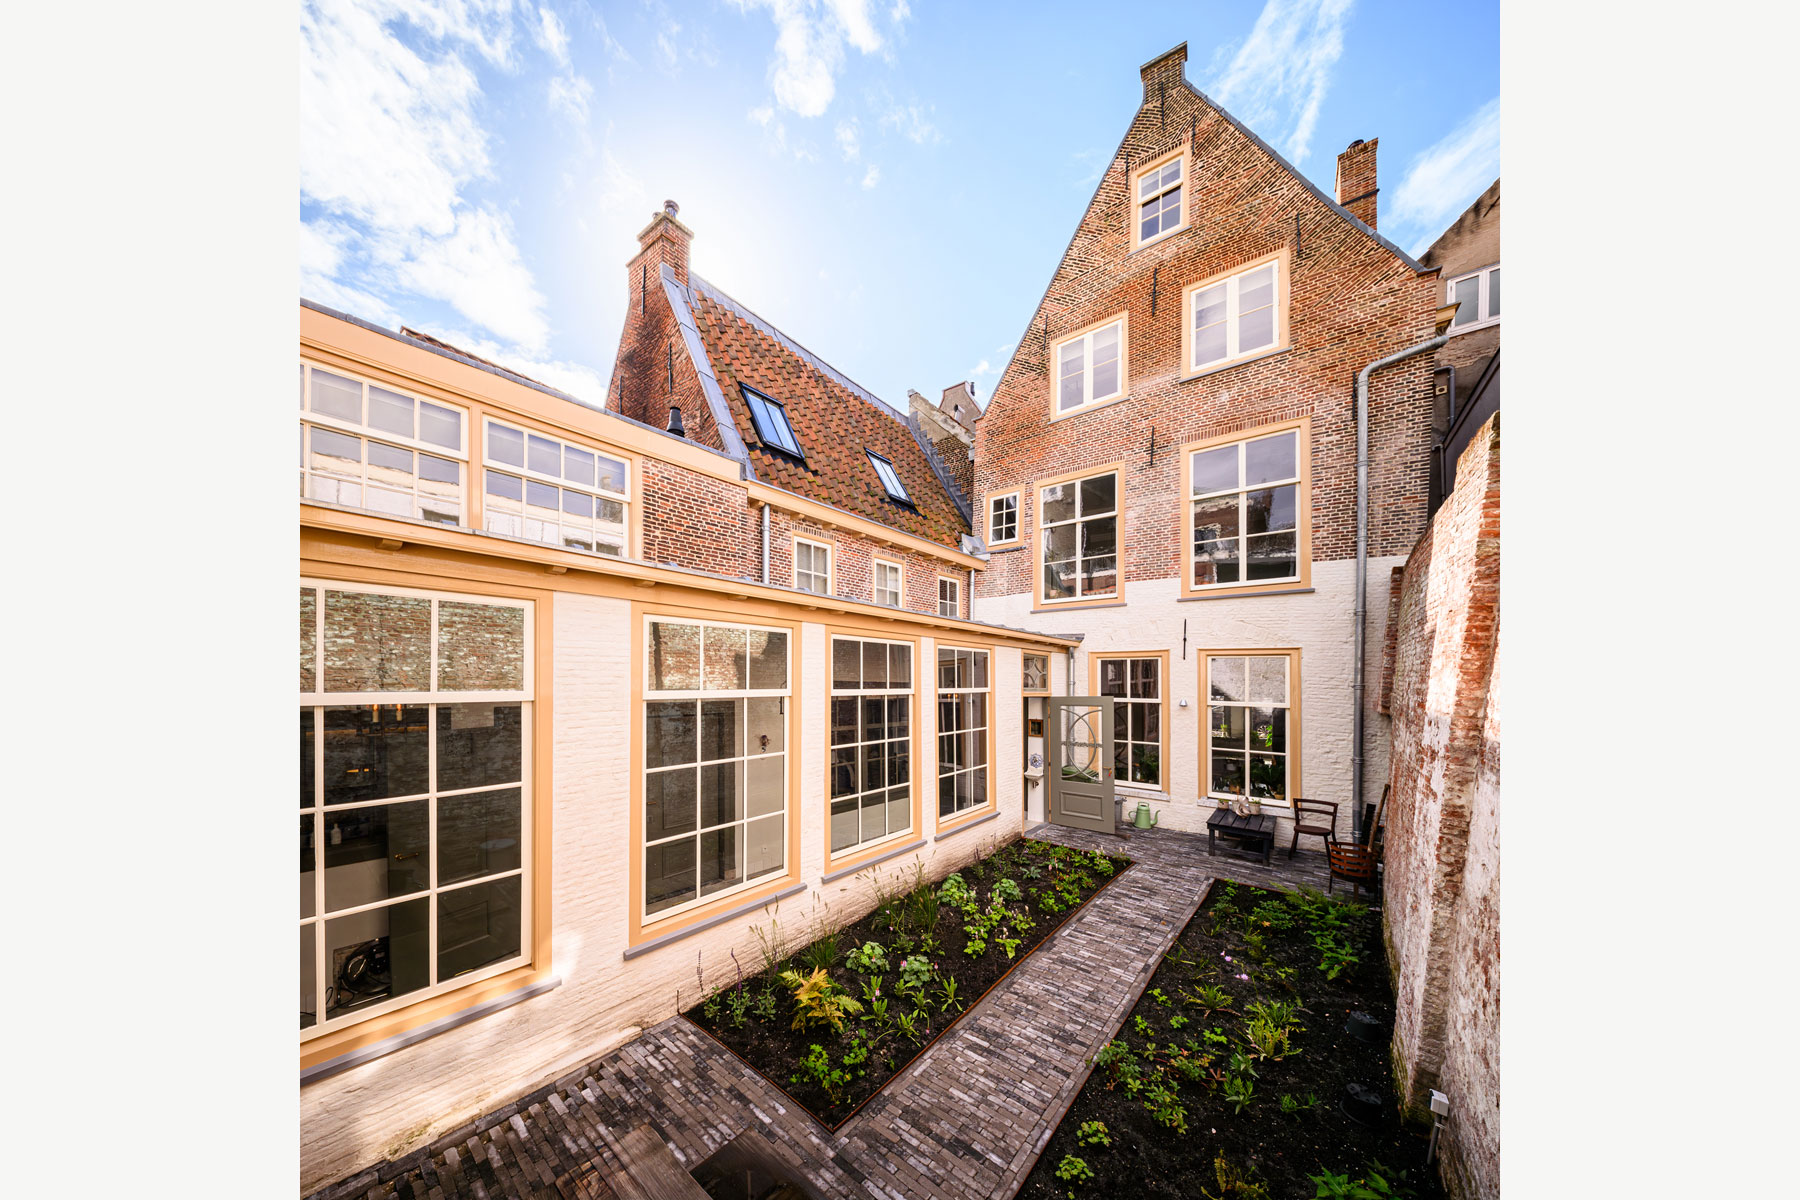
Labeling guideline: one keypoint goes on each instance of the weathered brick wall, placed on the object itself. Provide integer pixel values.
(853, 563)
(1443, 857)
(653, 370)
(695, 521)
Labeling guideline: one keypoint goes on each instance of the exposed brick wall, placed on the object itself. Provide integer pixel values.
(653, 369)
(1441, 886)
(1351, 301)
(695, 521)
(853, 563)
(1471, 242)
(1356, 180)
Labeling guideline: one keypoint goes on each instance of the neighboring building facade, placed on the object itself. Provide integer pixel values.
(560, 742)
(1168, 464)
(1468, 255)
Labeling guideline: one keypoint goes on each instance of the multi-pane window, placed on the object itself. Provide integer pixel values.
(949, 597)
(1079, 526)
(890, 482)
(551, 491)
(1247, 726)
(871, 740)
(888, 588)
(1136, 685)
(1159, 201)
(1003, 519)
(1476, 296)
(372, 447)
(812, 567)
(1234, 317)
(1246, 497)
(415, 796)
(715, 759)
(1036, 673)
(771, 421)
(962, 725)
(1090, 368)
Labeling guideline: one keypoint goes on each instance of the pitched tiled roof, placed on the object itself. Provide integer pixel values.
(834, 418)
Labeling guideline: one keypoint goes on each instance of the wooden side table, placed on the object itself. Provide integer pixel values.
(1257, 833)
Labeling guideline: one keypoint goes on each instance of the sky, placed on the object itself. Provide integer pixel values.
(890, 182)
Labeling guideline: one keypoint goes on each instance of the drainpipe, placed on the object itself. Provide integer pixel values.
(765, 543)
(1362, 567)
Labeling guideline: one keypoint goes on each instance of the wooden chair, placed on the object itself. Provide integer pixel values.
(1315, 817)
(1350, 861)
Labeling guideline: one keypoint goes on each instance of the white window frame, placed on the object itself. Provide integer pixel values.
(899, 588)
(1289, 705)
(1302, 497)
(817, 548)
(366, 433)
(955, 599)
(701, 899)
(318, 700)
(993, 501)
(1078, 520)
(494, 505)
(1233, 320)
(1139, 199)
(1483, 318)
(1088, 400)
(909, 694)
(977, 735)
(1127, 701)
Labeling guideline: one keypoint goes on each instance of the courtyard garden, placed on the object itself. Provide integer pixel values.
(1253, 1067)
(830, 1016)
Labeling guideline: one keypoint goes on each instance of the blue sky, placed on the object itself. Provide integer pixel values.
(890, 182)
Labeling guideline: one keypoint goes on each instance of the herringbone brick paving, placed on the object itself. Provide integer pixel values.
(967, 1119)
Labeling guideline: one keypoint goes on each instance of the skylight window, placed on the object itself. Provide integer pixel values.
(772, 424)
(889, 480)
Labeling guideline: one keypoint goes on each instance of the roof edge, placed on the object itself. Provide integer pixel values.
(944, 478)
(709, 382)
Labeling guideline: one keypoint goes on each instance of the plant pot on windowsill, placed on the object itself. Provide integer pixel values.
(1245, 807)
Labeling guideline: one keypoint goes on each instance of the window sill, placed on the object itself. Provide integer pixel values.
(1159, 239)
(1215, 368)
(1068, 605)
(738, 910)
(1455, 330)
(1088, 408)
(964, 823)
(399, 1041)
(1003, 547)
(1294, 588)
(878, 858)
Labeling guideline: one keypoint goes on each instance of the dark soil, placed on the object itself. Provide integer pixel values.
(754, 1019)
(1263, 1147)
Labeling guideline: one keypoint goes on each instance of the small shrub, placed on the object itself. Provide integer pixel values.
(1165, 1107)
(1239, 1091)
(1234, 1184)
(1093, 1133)
(1073, 1171)
(1377, 1183)
(1156, 994)
(821, 955)
(1293, 1105)
(1007, 891)
(869, 959)
(818, 1000)
(915, 972)
(816, 1069)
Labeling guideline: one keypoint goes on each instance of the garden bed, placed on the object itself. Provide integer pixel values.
(1225, 1080)
(832, 1022)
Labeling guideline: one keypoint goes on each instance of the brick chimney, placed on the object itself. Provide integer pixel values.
(1356, 180)
(664, 242)
(1163, 73)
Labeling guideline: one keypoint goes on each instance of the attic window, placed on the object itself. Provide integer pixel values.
(772, 423)
(889, 480)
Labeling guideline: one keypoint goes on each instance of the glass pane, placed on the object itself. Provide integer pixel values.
(1209, 344)
(1099, 536)
(1099, 495)
(946, 668)
(308, 780)
(1226, 678)
(542, 495)
(1215, 560)
(390, 411)
(843, 720)
(1467, 298)
(1268, 776)
(335, 452)
(1060, 543)
(899, 666)
(843, 771)
(1099, 576)
(978, 787)
(611, 474)
(578, 504)
(335, 396)
(846, 664)
(1058, 502)
(1121, 729)
(440, 426)
(1257, 289)
(1112, 677)
(1144, 677)
(479, 745)
(1271, 556)
(727, 668)
(308, 866)
(674, 657)
(505, 445)
(439, 470)
(507, 487)
(844, 823)
(978, 676)
(899, 810)
(390, 463)
(899, 716)
(1256, 330)
(899, 763)
(670, 803)
(767, 726)
(947, 794)
(765, 785)
(1227, 774)
(481, 647)
(1106, 378)
(377, 955)
(309, 976)
(765, 852)
(1493, 309)
(578, 466)
(1268, 680)
(1271, 509)
(721, 864)
(374, 752)
(669, 875)
(1227, 727)
(874, 719)
(479, 834)
(768, 660)
(1146, 764)
(377, 643)
(375, 853)
(720, 791)
(1216, 518)
(875, 663)
(1268, 729)
(1059, 580)
(874, 816)
(721, 729)
(543, 455)
(1036, 673)
(478, 926)
(669, 733)
(874, 768)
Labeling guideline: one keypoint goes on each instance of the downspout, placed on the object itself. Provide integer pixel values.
(1362, 567)
(765, 542)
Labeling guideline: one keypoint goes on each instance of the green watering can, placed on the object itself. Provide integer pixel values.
(1145, 816)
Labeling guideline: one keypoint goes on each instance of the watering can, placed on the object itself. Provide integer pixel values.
(1145, 816)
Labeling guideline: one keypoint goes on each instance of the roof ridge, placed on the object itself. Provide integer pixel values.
(891, 411)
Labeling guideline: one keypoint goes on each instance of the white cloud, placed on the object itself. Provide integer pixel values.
(1276, 80)
(809, 48)
(910, 119)
(551, 37)
(569, 95)
(900, 12)
(859, 27)
(579, 381)
(849, 140)
(621, 192)
(872, 176)
(480, 272)
(1448, 176)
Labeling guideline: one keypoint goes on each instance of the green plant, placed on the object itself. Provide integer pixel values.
(1142, 1026)
(1238, 1092)
(1209, 997)
(1241, 1064)
(1234, 1184)
(816, 1069)
(1165, 1106)
(956, 892)
(908, 1025)
(1177, 1021)
(1103, 864)
(819, 1000)
(763, 1006)
(769, 942)
(869, 958)
(1007, 890)
(1032, 872)
(1276, 1012)
(821, 954)
(915, 972)
(1273, 914)
(857, 1054)
(1377, 1183)
(1156, 994)
(1093, 1133)
(1215, 1036)
(1293, 1106)
(871, 988)
(1271, 1041)
(711, 1007)
(1010, 945)
(947, 994)
(1072, 1170)
(737, 1002)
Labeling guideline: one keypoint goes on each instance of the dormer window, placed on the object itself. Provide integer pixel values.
(772, 423)
(1159, 200)
(889, 480)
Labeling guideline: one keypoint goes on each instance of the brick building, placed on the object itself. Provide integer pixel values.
(1169, 462)
(1467, 387)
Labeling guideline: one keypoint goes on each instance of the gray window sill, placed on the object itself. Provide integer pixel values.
(354, 1058)
(970, 825)
(718, 919)
(896, 852)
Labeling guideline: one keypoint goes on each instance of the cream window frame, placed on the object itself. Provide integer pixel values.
(1089, 401)
(955, 598)
(1291, 706)
(366, 432)
(817, 548)
(1232, 281)
(875, 584)
(493, 504)
(982, 735)
(1018, 524)
(318, 700)
(1139, 199)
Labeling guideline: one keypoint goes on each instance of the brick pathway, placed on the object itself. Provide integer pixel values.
(967, 1119)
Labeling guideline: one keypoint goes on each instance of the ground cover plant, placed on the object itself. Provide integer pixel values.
(1224, 1080)
(830, 1016)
